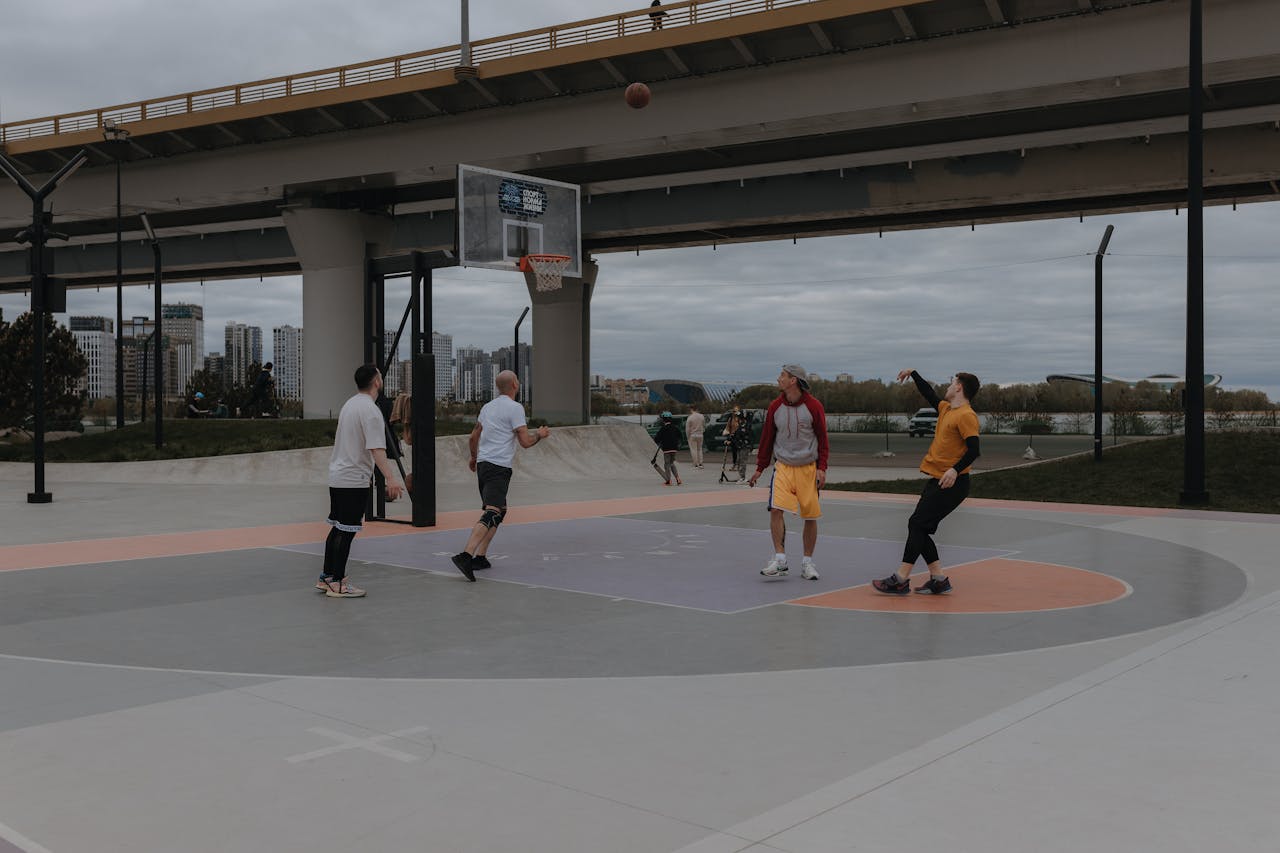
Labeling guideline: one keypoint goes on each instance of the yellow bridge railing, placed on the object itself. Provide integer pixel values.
(676, 14)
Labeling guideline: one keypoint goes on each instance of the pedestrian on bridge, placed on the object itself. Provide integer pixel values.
(953, 449)
(493, 452)
(655, 17)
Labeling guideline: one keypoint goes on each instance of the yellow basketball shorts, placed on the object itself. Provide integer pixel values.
(794, 488)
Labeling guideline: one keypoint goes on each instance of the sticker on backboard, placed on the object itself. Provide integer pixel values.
(503, 216)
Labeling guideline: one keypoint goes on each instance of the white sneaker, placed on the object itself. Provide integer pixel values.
(775, 568)
(808, 571)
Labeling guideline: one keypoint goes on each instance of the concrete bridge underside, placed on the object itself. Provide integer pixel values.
(960, 117)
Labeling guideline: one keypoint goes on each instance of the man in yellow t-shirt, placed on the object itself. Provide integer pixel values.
(952, 452)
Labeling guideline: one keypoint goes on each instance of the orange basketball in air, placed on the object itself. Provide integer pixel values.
(637, 96)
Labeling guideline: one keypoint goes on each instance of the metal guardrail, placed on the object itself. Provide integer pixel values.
(618, 26)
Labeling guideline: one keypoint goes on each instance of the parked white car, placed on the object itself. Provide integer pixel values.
(923, 422)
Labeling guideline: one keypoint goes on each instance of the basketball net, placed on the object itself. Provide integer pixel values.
(548, 270)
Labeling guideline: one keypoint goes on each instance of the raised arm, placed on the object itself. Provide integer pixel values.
(922, 385)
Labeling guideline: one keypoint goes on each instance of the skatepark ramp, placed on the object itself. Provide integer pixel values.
(613, 451)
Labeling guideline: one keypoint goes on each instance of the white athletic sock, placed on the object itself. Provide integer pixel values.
(807, 560)
(781, 558)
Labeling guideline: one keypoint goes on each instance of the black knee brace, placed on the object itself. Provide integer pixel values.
(492, 517)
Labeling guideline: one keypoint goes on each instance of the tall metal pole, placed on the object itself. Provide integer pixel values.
(1193, 486)
(515, 348)
(39, 496)
(465, 58)
(119, 307)
(37, 196)
(159, 331)
(1097, 344)
(159, 354)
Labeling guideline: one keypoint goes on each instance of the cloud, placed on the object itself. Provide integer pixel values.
(1011, 302)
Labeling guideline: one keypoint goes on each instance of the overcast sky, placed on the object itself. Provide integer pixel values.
(1007, 302)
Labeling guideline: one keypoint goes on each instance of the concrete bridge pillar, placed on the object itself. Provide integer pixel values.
(332, 246)
(562, 348)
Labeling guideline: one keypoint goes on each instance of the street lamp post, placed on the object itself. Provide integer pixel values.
(515, 348)
(1097, 342)
(159, 355)
(113, 133)
(1194, 490)
(37, 236)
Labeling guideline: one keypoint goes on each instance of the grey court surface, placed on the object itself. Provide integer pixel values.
(630, 683)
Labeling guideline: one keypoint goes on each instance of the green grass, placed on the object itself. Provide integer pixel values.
(1241, 471)
(185, 439)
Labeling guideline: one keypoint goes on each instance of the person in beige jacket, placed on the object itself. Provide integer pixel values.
(693, 429)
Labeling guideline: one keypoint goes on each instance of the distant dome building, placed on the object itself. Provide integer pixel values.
(1164, 381)
(688, 391)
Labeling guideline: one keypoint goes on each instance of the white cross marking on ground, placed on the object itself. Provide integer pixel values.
(373, 744)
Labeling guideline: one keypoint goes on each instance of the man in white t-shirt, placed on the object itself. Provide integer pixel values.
(493, 452)
(359, 444)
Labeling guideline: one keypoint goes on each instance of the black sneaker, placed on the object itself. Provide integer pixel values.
(481, 562)
(463, 561)
(935, 586)
(891, 585)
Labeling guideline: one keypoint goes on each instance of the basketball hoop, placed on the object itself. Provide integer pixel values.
(548, 269)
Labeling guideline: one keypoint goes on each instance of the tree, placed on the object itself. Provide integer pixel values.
(64, 367)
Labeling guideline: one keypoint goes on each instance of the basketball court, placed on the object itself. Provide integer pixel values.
(624, 679)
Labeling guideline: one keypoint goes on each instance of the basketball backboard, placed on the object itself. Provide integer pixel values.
(503, 216)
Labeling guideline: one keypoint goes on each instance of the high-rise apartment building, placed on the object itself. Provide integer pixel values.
(442, 349)
(184, 332)
(523, 367)
(215, 364)
(391, 375)
(474, 378)
(243, 348)
(95, 338)
(286, 348)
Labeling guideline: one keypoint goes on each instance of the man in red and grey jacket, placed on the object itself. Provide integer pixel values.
(795, 440)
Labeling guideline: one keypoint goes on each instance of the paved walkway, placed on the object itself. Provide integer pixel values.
(623, 679)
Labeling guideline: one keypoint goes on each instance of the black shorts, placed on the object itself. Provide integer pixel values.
(346, 508)
(493, 480)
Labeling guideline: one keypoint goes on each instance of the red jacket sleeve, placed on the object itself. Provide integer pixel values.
(819, 415)
(764, 455)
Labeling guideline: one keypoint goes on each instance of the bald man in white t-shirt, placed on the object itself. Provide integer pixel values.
(493, 451)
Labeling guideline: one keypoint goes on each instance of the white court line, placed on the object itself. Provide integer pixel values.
(17, 839)
(767, 825)
(373, 744)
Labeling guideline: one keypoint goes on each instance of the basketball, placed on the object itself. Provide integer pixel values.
(637, 96)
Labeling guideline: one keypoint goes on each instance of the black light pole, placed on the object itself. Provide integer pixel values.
(1193, 485)
(515, 349)
(1097, 344)
(116, 134)
(37, 236)
(159, 371)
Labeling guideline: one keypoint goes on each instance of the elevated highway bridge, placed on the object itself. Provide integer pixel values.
(770, 119)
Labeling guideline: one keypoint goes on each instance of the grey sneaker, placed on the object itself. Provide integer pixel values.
(809, 571)
(935, 586)
(891, 585)
(775, 568)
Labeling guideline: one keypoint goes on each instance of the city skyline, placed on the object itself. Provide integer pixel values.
(1011, 302)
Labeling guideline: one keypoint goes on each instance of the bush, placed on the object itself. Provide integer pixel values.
(1034, 427)
(873, 423)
